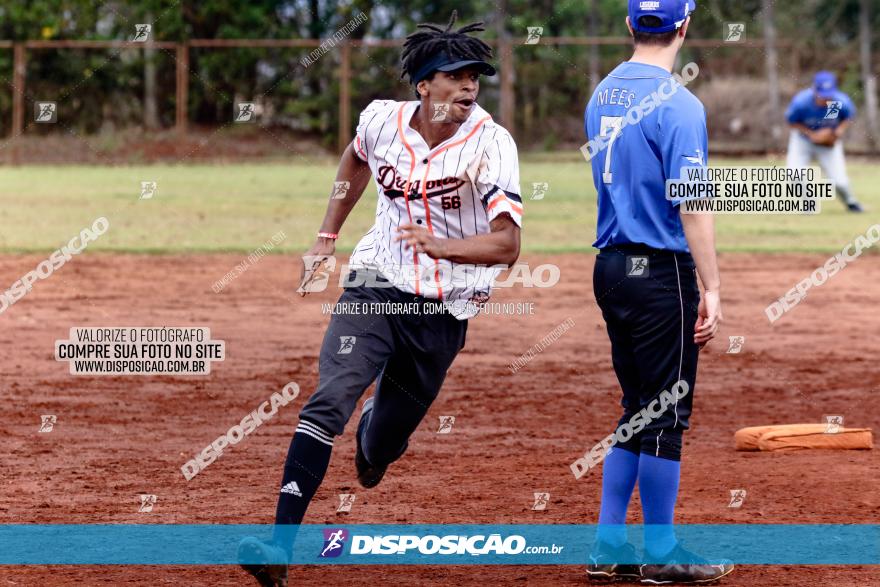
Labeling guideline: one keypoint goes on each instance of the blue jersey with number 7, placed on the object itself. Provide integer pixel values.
(642, 128)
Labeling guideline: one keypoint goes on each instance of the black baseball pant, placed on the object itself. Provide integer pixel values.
(649, 299)
(409, 349)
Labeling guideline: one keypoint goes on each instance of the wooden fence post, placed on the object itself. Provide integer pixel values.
(771, 60)
(507, 74)
(345, 97)
(869, 80)
(182, 88)
(595, 63)
(19, 70)
(18, 80)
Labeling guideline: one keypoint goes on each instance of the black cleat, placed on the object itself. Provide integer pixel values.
(368, 475)
(258, 558)
(604, 566)
(855, 207)
(683, 567)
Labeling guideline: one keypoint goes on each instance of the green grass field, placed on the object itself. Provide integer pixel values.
(237, 207)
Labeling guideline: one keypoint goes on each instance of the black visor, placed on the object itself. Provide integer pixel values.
(445, 62)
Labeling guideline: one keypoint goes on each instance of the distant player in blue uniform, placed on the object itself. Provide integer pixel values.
(819, 117)
(643, 127)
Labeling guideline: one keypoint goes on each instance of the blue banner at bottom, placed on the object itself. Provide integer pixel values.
(430, 544)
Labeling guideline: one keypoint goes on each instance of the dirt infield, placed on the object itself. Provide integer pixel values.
(514, 434)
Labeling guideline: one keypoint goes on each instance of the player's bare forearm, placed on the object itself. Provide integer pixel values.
(357, 174)
(699, 230)
(841, 129)
(499, 247)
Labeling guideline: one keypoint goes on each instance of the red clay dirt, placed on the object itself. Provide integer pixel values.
(514, 434)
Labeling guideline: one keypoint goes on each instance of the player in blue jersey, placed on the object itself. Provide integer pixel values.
(643, 127)
(819, 117)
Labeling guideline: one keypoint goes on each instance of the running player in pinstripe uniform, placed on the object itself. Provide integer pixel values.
(461, 185)
(449, 210)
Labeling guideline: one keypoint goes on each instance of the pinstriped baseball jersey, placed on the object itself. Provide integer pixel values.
(454, 190)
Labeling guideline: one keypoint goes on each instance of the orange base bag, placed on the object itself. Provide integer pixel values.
(802, 436)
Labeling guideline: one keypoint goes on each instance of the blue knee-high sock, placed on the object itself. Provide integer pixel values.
(658, 490)
(306, 465)
(619, 472)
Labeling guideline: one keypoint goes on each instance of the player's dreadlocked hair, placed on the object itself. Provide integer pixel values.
(424, 44)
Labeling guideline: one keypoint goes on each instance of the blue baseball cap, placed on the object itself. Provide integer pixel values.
(825, 84)
(672, 14)
(443, 61)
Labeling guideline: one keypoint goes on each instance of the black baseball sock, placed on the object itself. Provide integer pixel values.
(307, 460)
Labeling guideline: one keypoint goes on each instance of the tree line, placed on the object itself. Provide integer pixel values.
(109, 89)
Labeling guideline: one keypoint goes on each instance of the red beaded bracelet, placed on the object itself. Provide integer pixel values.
(332, 235)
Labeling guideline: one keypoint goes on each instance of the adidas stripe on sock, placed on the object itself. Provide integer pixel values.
(315, 432)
